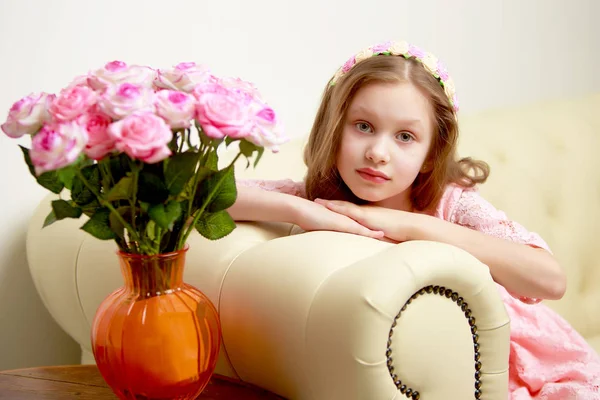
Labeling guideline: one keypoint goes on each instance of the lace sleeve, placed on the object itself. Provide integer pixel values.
(286, 186)
(473, 211)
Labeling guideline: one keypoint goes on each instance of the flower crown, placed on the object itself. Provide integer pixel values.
(429, 61)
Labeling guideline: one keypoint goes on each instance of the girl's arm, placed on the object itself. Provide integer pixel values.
(275, 203)
(256, 204)
(517, 258)
(523, 270)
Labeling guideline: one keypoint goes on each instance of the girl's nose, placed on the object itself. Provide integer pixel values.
(377, 152)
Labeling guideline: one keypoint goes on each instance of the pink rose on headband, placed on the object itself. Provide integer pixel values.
(455, 102)
(100, 143)
(27, 115)
(124, 99)
(57, 145)
(142, 136)
(118, 72)
(176, 108)
(72, 102)
(184, 76)
(416, 52)
(223, 112)
(348, 65)
(380, 48)
(442, 71)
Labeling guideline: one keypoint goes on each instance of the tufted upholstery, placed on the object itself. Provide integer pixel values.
(546, 175)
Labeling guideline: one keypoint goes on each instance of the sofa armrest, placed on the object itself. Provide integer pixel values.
(310, 316)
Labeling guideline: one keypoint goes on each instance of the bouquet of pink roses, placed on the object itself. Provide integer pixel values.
(137, 149)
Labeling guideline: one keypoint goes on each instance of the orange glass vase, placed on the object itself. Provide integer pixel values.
(156, 337)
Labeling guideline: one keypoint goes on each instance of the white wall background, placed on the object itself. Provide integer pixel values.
(500, 52)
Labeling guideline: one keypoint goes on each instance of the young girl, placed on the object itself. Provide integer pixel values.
(382, 163)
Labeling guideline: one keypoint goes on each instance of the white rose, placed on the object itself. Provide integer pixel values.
(28, 115)
(430, 62)
(117, 72)
(183, 77)
(449, 88)
(399, 48)
(363, 55)
(122, 100)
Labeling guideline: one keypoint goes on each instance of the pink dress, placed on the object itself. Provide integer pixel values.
(548, 359)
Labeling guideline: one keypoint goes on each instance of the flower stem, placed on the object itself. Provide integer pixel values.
(198, 213)
(107, 204)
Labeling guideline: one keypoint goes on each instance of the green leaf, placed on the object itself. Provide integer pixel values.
(226, 193)
(261, 151)
(228, 141)
(152, 188)
(66, 175)
(63, 209)
(165, 216)
(50, 219)
(214, 226)
(80, 193)
(188, 190)
(212, 161)
(179, 169)
(119, 166)
(48, 180)
(90, 208)
(151, 230)
(27, 158)
(122, 190)
(248, 149)
(99, 225)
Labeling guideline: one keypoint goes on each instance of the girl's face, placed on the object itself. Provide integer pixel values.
(385, 141)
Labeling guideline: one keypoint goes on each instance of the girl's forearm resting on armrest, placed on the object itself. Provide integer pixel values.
(522, 269)
(255, 204)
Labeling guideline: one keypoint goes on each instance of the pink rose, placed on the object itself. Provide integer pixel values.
(176, 108)
(27, 115)
(416, 52)
(222, 112)
(455, 103)
(57, 145)
(72, 103)
(183, 77)
(81, 80)
(240, 86)
(122, 100)
(348, 65)
(442, 71)
(117, 72)
(142, 136)
(267, 130)
(380, 48)
(100, 143)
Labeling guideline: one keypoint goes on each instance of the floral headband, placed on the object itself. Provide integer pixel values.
(429, 61)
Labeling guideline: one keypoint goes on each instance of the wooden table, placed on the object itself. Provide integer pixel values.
(84, 382)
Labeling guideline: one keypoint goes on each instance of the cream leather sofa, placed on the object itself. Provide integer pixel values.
(329, 316)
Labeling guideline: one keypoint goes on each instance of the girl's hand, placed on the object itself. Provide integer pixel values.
(396, 225)
(311, 216)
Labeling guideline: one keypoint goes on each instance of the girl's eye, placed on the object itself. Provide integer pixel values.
(363, 127)
(405, 137)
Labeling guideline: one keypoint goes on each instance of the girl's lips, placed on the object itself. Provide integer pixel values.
(372, 176)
